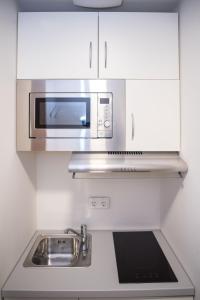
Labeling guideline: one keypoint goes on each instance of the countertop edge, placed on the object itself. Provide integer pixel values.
(99, 294)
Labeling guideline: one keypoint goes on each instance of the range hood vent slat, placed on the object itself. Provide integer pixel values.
(125, 153)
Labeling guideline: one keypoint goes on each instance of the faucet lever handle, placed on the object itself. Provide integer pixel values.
(83, 229)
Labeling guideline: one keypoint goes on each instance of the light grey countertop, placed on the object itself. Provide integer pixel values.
(98, 280)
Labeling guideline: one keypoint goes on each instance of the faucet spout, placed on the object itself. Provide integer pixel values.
(70, 230)
(82, 235)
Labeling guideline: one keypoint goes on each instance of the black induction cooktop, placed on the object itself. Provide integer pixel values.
(140, 258)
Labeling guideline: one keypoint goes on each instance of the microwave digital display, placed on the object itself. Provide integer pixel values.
(62, 113)
(104, 100)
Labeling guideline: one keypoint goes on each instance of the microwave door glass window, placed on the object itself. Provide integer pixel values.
(62, 113)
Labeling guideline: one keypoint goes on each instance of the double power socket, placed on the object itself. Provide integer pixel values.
(99, 202)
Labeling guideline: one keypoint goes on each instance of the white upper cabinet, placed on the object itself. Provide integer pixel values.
(123, 45)
(57, 45)
(152, 115)
(138, 45)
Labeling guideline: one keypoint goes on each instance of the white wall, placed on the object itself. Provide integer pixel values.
(181, 207)
(17, 191)
(63, 202)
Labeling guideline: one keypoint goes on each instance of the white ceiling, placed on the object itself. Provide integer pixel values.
(128, 5)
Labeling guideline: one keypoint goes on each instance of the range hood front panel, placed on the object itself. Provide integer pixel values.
(146, 162)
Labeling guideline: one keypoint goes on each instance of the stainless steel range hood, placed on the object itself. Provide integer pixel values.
(116, 164)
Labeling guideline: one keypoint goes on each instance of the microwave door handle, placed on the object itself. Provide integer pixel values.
(133, 127)
(90, 55)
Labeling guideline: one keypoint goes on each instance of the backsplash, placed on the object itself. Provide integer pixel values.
(64, 202)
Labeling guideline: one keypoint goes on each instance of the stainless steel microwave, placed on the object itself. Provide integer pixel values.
(71, 115)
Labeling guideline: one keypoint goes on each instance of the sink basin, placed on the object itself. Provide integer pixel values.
(58, 250)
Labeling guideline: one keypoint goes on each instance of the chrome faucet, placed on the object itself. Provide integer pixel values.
(82, 235)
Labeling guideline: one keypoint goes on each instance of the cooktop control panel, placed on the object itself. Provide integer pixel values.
(140, 258)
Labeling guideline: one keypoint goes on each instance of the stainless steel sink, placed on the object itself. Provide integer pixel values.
(58, 250)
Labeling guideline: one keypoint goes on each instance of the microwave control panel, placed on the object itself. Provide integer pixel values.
(105, 126)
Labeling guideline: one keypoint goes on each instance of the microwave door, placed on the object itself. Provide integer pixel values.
(63, 115)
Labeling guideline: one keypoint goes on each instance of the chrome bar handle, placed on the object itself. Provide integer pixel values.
(90, 55)
(133, 127)
(106, 54)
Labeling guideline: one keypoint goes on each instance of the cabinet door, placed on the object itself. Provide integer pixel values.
(138, 45)
(57, 45)
(161, 298)
(152, 115)
(38, 298)
(146, 298)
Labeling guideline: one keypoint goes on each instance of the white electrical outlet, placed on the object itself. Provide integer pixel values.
(99, 202)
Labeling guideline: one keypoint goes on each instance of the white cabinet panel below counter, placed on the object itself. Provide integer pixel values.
(163, 298)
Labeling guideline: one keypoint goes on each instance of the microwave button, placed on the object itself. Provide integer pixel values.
(101, 134)
(106, 124)
(100, 122)
(105, 134)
